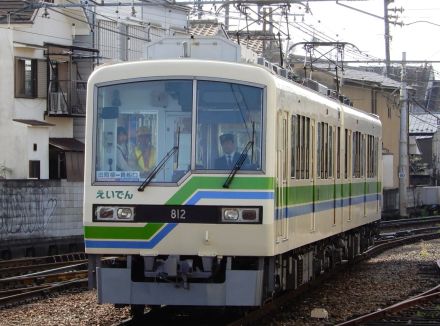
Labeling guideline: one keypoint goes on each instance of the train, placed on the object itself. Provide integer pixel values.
(302, 194)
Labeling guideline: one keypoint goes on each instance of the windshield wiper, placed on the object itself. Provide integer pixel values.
(162, 163)
(238, 164)
(158, 167)
(241, 159)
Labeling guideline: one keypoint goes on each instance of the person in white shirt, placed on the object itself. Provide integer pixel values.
(230, 157)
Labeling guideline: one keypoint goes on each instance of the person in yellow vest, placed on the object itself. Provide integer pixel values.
(144, 151)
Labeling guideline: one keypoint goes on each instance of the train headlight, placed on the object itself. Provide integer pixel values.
(105, 213)
(110, 213)
(231, 214)
(241, 215)
(125, 213)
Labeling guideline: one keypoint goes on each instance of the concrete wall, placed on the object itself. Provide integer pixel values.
(40, 209)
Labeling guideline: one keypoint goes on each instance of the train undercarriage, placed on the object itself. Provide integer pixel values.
(230, 281)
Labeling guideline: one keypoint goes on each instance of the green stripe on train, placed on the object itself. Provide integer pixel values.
(122, 232)
(198, 183)
(306, 194)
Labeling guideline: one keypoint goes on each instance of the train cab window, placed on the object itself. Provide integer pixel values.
(140, 124)
(229, 119)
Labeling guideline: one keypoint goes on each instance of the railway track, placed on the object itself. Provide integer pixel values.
(279, 302)
(30, 278)
(25, 266)
(422, 309)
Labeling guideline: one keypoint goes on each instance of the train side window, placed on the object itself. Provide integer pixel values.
(363, 155)
(299, 150)
(338, 153)
(346, 160)
(300, 137)
(324, 163)
(318, 151)
(376, 159)
(372, 157)
(358, 155)
(330, 151)
(307, 148)
(325, 158)
(355, 156)
(293, 152)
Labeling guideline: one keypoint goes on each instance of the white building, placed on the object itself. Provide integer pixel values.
(48, 51)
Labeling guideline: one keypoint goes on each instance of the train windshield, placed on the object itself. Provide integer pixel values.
(138, 124)
(141, 123)
(229, 117)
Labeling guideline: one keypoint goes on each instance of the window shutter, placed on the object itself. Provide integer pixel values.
(42, 79)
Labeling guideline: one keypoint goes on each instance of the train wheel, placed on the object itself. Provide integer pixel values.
(137, 312)
(30, 252)
(6, 255)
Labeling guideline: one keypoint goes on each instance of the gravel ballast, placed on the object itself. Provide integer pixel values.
(374, 284)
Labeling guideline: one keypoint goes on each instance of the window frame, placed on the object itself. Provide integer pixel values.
(34, 78)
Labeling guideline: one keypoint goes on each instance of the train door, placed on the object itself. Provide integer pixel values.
(282, 177)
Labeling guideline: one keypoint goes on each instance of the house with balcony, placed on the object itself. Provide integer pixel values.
(49, 49)
(42, 86)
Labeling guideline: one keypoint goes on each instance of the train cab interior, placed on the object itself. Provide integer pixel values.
(157, 118)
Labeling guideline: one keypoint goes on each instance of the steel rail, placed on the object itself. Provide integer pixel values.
(25, 271)
(13, 299)
(42, 260)
(419, 298)
(17, 283)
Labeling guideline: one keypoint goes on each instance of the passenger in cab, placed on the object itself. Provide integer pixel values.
(122, 154)
(230, 157)
(144, 152)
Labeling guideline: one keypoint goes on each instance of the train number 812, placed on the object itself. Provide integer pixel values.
(178, 214)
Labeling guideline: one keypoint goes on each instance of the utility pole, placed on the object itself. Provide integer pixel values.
(403, 157)
(389, 19)
(387, 36)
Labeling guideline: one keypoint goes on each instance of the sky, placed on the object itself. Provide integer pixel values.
(419, 37)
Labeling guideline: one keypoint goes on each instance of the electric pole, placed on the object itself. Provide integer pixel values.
(387, 17)
(403, 157)
(387, 36)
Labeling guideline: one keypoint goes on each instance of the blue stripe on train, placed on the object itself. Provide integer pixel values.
(113, 244)
(206, 194)
(327, 205)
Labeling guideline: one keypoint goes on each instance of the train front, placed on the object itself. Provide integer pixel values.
(175, 182)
